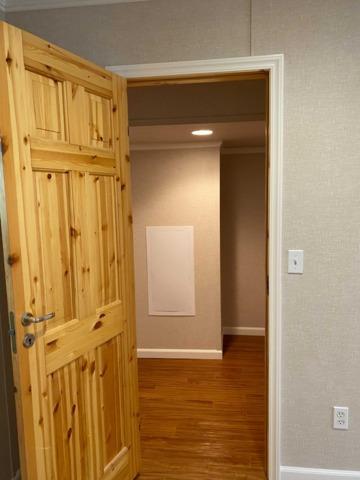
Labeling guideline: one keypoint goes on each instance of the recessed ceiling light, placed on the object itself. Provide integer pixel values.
(202, 133)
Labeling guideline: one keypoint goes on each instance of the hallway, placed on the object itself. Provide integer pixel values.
(204, 419)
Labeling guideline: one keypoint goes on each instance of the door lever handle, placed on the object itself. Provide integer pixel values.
(28, 318)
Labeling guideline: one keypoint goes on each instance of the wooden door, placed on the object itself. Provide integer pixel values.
(63, 123)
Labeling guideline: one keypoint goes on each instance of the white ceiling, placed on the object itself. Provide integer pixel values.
(18, 5)
(231, 134)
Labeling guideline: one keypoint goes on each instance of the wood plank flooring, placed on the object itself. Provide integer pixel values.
(204, 419)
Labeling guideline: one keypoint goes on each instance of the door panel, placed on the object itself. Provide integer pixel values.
(46, 106)
(53, 221)
(66, 169)
(99, 120)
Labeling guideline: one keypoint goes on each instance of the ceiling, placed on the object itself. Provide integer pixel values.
(18, 5)
(230, 101)
(247, 134)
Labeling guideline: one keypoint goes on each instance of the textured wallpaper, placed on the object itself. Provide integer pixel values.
(321, 309)
(179, 187)
(243, 240)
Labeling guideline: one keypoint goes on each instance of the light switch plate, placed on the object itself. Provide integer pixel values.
(296, 261)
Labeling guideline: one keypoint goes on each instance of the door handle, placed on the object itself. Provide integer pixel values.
(28, 318)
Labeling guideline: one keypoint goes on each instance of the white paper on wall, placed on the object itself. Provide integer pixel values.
(171, 272)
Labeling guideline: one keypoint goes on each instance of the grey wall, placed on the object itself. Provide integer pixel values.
(146, 32)
(321, 43)
(243, 240)
(179, 187)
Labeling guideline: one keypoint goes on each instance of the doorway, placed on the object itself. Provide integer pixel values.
(274, 65)
(175, 134)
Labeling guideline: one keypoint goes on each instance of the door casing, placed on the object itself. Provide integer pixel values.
(225, 70)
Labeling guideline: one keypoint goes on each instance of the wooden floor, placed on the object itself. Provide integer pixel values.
(204, 419)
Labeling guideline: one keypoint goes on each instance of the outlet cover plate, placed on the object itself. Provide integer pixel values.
(341, 418)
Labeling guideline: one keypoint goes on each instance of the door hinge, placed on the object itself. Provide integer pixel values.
(12, 333)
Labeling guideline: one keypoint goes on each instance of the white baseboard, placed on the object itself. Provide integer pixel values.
(256, 331)
(179, 353)
(299, 473)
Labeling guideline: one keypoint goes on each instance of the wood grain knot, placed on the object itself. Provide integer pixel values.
(98, 325)
(84, 365)
(56, 407)
(26, 140)
(41, 420)
(114, 109)
(49, 176)
(73, 409)
(69, 433)
(123, 186)
(73, 232)
(102, 315)
(8, 59)
(13, 258)
(51, 345)
(4, 145)
(92, 367)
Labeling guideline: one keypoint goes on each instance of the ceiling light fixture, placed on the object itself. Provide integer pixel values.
(202, 133)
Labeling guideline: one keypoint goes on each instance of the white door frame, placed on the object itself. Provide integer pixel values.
(274, 64)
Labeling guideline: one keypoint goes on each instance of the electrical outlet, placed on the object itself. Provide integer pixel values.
(341, 418)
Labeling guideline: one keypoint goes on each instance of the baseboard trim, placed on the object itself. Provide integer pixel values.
(256, 331)
(179, 353)
(300, 473)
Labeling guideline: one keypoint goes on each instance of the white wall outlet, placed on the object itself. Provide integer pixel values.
(296, 261)
(341, 418)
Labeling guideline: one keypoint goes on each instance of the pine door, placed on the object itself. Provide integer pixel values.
(63, 124)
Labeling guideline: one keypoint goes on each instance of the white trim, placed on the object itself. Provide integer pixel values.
(300, 473)
(179, 353)
(20, 5)
(274, 64)
(193, 67)
(251, 331)
(242, 150)
(173, 146)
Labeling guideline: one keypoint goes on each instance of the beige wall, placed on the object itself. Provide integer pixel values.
(321, 43)
(321, 309)
(179, 187)
(242, 214)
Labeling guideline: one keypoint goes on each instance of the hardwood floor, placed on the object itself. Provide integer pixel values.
(204, 419)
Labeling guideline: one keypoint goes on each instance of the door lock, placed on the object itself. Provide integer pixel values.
(29, 340)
